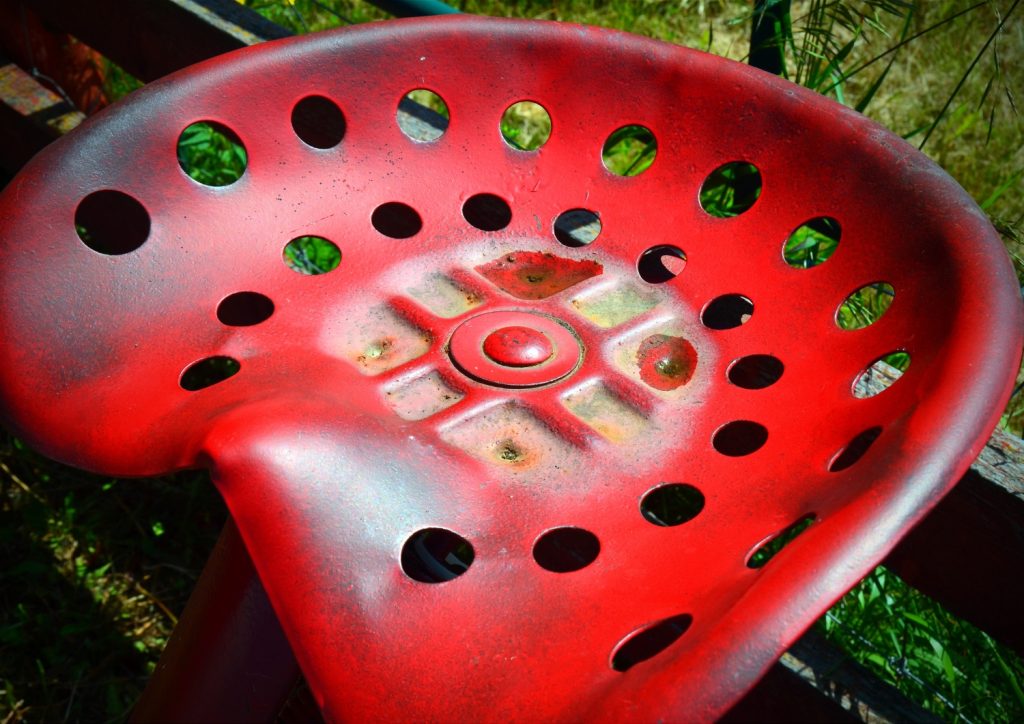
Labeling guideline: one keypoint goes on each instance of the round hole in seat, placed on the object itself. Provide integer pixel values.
(671, 504)
(311, 255)
(661, 263)
(812, 243)
(731, 189)
(566, 549)
(740, 438)
(422, 115)
(397, 220)
(244, 309)
(881, 374)
(212, 154)
(649, 641)
(755, 371)
(112, 222)
(487, 212)
(727, 312)
(771, 546)
(577, 227)
(207, 372)
(318, 122)
(525, 125)
(436, 555)
(865, 306)
(855, 450)
(629, 150)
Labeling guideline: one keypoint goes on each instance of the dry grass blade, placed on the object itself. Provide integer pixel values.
(967, 74)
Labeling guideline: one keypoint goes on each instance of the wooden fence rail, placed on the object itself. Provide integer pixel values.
(968, 554)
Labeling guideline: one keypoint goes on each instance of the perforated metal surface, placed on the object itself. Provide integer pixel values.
(570, 538)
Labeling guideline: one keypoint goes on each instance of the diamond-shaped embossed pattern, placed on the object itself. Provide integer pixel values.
(586, 292)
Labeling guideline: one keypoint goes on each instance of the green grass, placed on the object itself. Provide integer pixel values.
(96, 570)
(865, 306)
(211, 154)
(94, 574)
(526, 125)
(311, 255)
(949, 666)
(629, 151)
(773, 547)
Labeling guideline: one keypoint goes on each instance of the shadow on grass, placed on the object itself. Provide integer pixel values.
(64, 657)
(93, 572)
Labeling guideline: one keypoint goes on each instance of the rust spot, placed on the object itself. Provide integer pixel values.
(508, 451)
(537, 275)
(666, 362)
(512, 438)
(377, 341)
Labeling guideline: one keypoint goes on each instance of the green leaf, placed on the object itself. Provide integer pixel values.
(869, 94)
(1007, 671)
(916, 619)
(947, 668)
(1002, 188)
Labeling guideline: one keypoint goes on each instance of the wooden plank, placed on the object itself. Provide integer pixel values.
(65, 63)
(968, 553)
(816, 682)
(783, 697)
(152, 38)
(1002, 464)
(842, 680)
(31, 116)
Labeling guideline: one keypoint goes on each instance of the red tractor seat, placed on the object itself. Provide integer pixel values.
(514, 432)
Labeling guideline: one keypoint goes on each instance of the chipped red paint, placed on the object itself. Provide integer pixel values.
(537, 275)
(348, 439)
(666, 362)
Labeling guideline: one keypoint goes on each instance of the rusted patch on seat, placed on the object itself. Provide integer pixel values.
(666, 362)
(537, 275)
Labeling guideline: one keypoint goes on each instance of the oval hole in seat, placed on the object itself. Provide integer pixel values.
(649, 641)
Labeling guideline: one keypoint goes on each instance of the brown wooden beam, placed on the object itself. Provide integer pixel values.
(156, 37)
(147, 38)
(31, 116)
(816, 682)
(151, 38)
(64, 61)
(783, 697)
(968, 554)
(852, 687)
